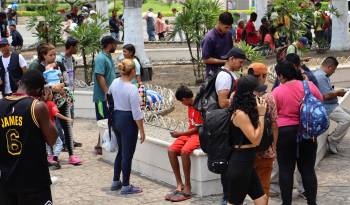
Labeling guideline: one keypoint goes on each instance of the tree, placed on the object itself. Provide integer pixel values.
(88, 35)
(48, 28)
(73, 3)
(196, 19)
(340, 27)
(133, 29)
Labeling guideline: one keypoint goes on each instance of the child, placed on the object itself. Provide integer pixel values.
(183, 146)
(54, 113)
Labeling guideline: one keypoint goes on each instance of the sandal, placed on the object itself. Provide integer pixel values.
(180, 197)
(170, 195)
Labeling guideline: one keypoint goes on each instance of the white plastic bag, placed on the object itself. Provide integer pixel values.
(109, 143)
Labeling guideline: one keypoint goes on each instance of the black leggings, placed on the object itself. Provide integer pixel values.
(241, 177)
(287, 148)
(66, 126)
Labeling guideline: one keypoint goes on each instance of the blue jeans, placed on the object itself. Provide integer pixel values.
(151, 34)
(115, 35)
(57, 148)
(126, 131)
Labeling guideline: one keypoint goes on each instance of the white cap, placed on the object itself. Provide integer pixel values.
(9, 6)
(93, 12)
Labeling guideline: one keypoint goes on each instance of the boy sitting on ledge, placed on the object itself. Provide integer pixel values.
(183, 146)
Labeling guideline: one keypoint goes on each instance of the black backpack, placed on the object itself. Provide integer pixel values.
(218, 133)
(267, 138)
(146, 73)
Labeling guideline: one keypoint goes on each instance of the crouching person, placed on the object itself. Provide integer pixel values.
(183, 146)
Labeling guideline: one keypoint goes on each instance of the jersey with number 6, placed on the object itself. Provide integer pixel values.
(23, 161)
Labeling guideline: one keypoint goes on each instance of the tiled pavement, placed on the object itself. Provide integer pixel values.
(89, 183)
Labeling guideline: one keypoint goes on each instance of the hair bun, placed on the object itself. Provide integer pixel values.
(121, 67)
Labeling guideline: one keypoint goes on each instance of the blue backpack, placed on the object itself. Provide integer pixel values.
(313, 116)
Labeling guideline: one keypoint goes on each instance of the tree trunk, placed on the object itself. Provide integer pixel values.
(340, 27)
(261, 10)
(133, 29)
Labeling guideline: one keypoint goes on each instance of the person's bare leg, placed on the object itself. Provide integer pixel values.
(174, 162)
(261, 201)
(186, 163)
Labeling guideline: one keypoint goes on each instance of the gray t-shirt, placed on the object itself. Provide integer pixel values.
(126, 97)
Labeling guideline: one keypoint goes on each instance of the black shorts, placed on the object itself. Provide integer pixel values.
(241, 177)
(40, 196)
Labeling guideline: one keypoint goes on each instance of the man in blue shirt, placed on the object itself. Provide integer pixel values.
(104, 74)
(216, 43)
(330, 97)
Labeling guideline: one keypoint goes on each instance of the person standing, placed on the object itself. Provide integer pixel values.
(252, 37)
(129, 52)
(248, 120)
(290, 152)
(149, 17)
(216, 43)
(337, 113)
(104, 74)
(267, 151)
(3, 25)
(127, 120)
(114, 25)
(160, 27)
(17, 40)
(26, 127)
(12, 67)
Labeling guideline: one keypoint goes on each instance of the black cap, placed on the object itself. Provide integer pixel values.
(236, 53)
(107, 40)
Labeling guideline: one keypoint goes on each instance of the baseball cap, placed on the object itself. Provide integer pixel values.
(107, 40)
(303, 40)
(4, 41)
(93, 12)
(258, 68)
(236, 53)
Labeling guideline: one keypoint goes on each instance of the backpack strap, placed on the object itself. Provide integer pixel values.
(306, 88)
(233, 84)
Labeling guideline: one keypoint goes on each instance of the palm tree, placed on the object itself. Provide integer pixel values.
(340, 27)
(133, 29)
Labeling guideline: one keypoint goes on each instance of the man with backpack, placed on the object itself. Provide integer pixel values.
(226, 78)
(216, 43)
(12, 67)
(267, 149)
(335, 112)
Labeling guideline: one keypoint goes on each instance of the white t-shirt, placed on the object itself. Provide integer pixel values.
(6, 61)
(224, 81)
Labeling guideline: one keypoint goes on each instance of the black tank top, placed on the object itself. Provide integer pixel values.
(238, 137)
(23, 161)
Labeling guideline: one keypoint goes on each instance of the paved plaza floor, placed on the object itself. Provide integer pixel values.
(89, 183)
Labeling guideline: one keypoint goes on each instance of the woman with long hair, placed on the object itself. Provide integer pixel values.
(248, 120)
(289, 96)
(129, 53)
(47, 60)
(127, 120)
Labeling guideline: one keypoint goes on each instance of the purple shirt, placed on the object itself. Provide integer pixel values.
(216, 45)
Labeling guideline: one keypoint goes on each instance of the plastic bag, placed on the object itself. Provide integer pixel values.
(109, 143)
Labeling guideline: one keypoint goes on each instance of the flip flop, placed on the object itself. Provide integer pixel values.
(180, 197)
(173, 193)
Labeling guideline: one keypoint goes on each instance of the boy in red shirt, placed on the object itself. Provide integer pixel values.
(183, 146)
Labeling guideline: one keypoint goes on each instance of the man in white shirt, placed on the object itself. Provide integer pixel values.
(223, 84)
(12, 67)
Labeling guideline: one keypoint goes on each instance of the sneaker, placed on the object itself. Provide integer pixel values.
(302, 195)
(55, 166)
(74, 160)
(130, 190)
(116, 185)
(54, 179)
